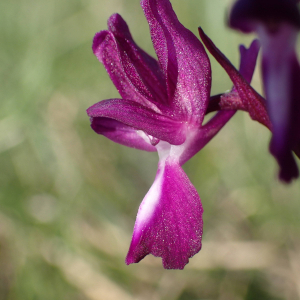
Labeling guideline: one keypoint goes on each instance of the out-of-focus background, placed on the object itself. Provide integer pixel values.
(69, 197)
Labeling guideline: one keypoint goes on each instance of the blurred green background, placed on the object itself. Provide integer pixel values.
(69, 197)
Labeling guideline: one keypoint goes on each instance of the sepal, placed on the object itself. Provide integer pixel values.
(121, 133)
(183, 60)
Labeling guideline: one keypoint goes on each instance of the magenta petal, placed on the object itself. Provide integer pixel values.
(281, 76)
(232, 100)
(141, 69)
(277, 67)
(182, 58)
(169, 221)
(106, 50)
(140, 118)
(252, 101)
(135, 74)
(121, 133)
(248, 60)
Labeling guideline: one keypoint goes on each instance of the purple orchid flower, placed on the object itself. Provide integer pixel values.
(162, 109)
(277, 23)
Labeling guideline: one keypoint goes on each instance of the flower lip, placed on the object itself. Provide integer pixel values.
(246, 13)
(169, 222)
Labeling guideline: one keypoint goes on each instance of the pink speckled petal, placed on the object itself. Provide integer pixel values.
(106, 50)
(169, 221)
(182, 58)
(141, 69)
(136, 74)
(252, 101)
(120, 133)
(232, 100)
(140, 118)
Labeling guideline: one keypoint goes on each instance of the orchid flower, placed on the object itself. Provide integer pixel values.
(162, 109)
(277, 23)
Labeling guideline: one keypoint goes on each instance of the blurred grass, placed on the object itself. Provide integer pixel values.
(68, 197)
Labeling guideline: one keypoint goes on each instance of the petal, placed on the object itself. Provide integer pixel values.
(120, 133)
(281, 77)
(140, 118)
(277, 65)
(252, 101)
(106, 50)
(182, 58)
(232, 100)
(246, 13)
(248, 60)
(141, 69)
(135, 74)
(169, 221)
